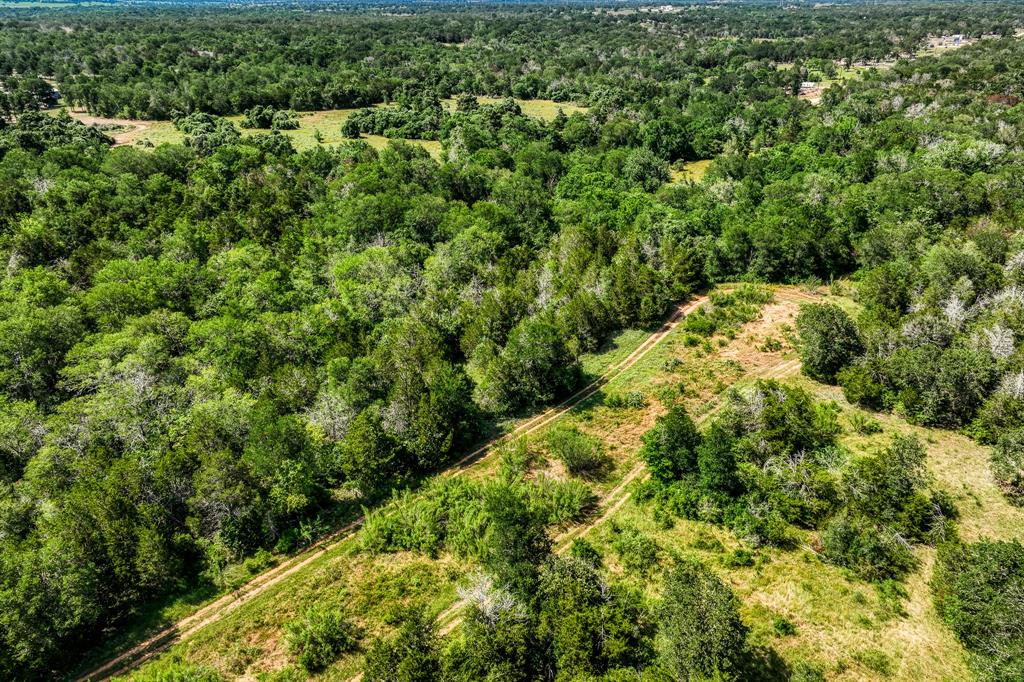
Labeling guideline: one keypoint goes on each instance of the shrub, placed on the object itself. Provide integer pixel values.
(319, 637)
(412, 655)
(173, 669)
(783, 627)
(1008, 465)
(864, 424)
(1000, 413)
(872, 553)
(584, 551)
(631, 399)
(860, 385)
(670, 447)
(702, 634)
(738, 558)
(560, 502)
(637, 551)
(582, 455)
(978, 590)
(828, 340)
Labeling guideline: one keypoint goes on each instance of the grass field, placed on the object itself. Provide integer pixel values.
(326, 123)
(544, 109)
(845, 626)
(691, 170)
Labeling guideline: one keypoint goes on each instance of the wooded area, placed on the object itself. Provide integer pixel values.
(213, 352)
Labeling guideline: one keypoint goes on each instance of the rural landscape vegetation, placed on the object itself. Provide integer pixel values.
(512, 341)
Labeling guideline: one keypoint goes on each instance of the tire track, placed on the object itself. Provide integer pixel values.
(216, 610)
(450, 618)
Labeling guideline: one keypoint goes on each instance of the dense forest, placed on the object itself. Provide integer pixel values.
(213, 352)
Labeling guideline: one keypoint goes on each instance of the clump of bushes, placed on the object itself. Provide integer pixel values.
(871, 552)
(887, 506)
(206, 132)
(1008, 465)
(727, 310)
(864, 424)
(581, 454)
(268, 117)
(770, 462)
(637, 551)
(452, 514)
(978, 591)
(630, 399)
(319, 637)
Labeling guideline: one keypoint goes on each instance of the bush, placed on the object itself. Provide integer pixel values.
(582, 455)
(1008, 465)
(173, 669)
(560, 502)
(828, 340)
(412, 655)
(584, 551)
(636, 551)
(783, 627)
(320, 637)
(738, 558)
(860, 386)
(865, 425)
(631, 399)
(670, 447)
(978, 591)
(872, 553)
(703, 636)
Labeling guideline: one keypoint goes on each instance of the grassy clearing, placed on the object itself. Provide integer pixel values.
(691, 170)
(843, 625)
(846, 627)
(326, 124)
(544, 109)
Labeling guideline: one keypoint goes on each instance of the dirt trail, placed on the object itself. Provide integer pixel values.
(134, 126)
(614, 500)
(217, 609)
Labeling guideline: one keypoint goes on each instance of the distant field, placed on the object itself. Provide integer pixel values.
(544, 109)
(692, 170)
(327, 123)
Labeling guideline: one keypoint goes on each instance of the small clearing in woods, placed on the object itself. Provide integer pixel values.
(311, 123)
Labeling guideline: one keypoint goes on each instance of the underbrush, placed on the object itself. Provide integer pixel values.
(727, 310)
(450, 513)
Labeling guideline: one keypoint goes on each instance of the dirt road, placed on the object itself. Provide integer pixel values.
(219, 608)
(614, 500)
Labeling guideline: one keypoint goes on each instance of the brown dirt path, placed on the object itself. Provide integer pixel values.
(786, 305)
(220, 607)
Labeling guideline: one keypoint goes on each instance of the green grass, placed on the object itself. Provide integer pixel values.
(691, 170)
(544, 109)
(326, 123)
(841, 624)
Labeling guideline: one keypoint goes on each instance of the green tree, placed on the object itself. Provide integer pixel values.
(670, 446)
(828, 340)
(701, 634)
(411, 655)
(319, 637)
